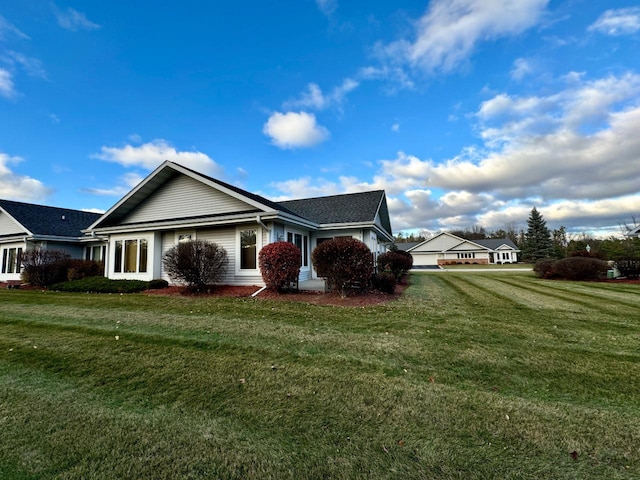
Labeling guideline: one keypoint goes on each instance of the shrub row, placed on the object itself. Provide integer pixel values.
(571, 268)
(104, 285)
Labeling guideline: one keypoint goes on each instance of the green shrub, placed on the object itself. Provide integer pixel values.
(579, 268)
(44, 267)
(157, 284)
(345, 262)
(384, 282)
(279, 265)
(198, 263)
(399, 263)
(101, 285)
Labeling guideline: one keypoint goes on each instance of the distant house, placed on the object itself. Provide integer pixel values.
(448, 249)
(24, 226)
(634, 232)
(175, 204)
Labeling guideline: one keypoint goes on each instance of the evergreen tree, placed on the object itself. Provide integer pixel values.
(537, 240)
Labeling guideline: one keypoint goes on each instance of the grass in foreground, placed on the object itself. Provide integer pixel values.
(498, 375)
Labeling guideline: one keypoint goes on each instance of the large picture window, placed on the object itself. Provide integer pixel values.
(131, 256)
(11, 260)
(95, 253)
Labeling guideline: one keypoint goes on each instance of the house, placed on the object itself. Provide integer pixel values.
(175, 204)
(24, 226)
(448, 249)
(634, 232)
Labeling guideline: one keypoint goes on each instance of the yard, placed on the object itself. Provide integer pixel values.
(467, 376)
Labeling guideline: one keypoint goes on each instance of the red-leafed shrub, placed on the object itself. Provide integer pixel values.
(571, 268)
(543, 268)
(79, 269)
(345, 263)
(580, 268)
(279, 265)
(384, 282)
(399, 263)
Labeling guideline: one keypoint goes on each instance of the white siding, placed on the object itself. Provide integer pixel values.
(438, 244)
(183, 196)
(8, 226)
(226, 238)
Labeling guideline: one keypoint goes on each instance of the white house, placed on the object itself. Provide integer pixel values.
(24, 226)
(175, 203)
(448, 249)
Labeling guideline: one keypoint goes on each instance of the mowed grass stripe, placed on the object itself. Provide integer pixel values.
(586, 299)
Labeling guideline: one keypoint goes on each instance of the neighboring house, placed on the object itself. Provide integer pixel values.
(448, 249)
(175, 204)
(634, 232)
(24, 226)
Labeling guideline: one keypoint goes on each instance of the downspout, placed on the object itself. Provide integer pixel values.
(261, 223)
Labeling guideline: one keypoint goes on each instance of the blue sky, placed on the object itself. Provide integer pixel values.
(467, 112)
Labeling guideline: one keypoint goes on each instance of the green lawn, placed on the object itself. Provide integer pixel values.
(468, 376)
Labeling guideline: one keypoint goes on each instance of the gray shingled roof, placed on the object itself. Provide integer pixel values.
(494, 243)
(346, 208)
(43, 220)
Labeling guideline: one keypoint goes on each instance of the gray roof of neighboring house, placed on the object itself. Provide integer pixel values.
(43, 220)
(346, 208)
(494, 243)
(404, 246)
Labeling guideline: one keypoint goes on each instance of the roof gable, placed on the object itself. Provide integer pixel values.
(44, 220)
(440, 243)
(468, 245)
(176, 192)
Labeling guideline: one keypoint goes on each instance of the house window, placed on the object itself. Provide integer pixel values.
(11, 260)
(248, 249)
(302, 242)
(96, 253)
(131, 256)
(185, 237)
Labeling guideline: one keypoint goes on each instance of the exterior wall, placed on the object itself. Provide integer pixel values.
(437, 244)
(458, 258)
(182, 197)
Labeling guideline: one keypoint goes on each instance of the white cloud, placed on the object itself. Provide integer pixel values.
(450, 30)
(6, 84)
(294, 130)
(314, 99)
(395, 127)
(521, 68)
(19, 187)
(31, 65)
(7, 28)
(623, 21)
(150, 155)
(125, 184)
(574, 153)
(73, 20)
(327, 7)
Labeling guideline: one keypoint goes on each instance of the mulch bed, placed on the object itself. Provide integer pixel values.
(316, 298)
